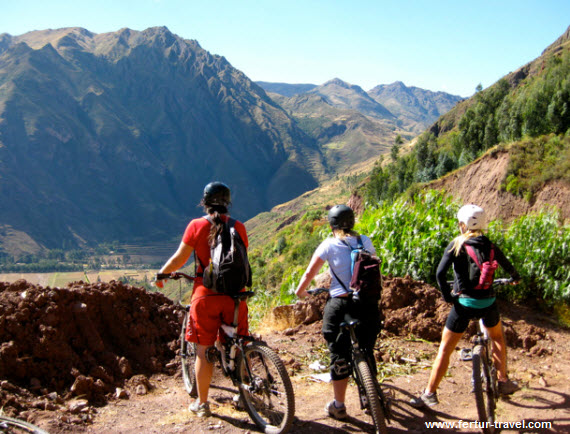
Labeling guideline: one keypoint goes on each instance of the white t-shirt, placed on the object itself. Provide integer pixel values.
(337, 254)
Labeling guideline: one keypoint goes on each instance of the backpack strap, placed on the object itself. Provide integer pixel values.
(471, 252)
(359, 245)
(340, 281)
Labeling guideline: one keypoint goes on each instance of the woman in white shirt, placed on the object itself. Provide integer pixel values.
(337, 253)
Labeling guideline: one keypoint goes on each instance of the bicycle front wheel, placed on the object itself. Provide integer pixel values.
(188, 360)
(11, 425)
(266, 389)
(369, 384)
(484, 389)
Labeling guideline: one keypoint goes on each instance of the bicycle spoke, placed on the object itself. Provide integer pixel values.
(266, 389)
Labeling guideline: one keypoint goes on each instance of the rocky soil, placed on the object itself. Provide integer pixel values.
(102, 358)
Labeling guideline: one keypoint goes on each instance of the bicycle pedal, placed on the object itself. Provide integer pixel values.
(465, 354)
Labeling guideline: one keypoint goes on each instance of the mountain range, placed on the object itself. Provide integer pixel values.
(352, 125)
(113, 136)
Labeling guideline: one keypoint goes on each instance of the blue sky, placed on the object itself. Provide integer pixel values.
(448, 45)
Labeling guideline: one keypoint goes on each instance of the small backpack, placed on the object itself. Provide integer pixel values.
(228, 271)
(486, 269)
(366, 280)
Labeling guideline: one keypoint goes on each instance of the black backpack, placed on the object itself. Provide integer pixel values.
(485, 269)
(228, 271)
(366, 280)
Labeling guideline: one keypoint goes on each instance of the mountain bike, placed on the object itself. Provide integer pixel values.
(11, 425)
(260, 376)
(484, 373)
(363, 371)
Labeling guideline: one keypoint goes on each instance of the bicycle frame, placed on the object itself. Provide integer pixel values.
(232, 347)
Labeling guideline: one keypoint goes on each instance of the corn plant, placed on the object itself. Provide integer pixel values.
(410, 235)
(539, 247)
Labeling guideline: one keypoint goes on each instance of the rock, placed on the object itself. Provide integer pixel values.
(77, 405)
(121, 393)
(141, 390)
(82, 386)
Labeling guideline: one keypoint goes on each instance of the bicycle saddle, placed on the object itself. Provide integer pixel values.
(349, 321)
(243, 295)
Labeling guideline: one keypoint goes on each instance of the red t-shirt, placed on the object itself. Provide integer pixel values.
(197, 233)
(208, 313)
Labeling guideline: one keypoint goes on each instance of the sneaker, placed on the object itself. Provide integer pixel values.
(425, 400)
(508, 387)
(336, 412)
(200, 410)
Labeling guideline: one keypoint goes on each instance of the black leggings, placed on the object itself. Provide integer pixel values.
(367, 331)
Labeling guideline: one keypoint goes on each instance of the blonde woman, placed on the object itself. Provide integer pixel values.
(468, 301)
(336, 251)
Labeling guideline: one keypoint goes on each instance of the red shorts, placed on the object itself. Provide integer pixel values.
(207, 313)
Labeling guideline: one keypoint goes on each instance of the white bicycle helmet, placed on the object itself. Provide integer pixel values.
(472, 216)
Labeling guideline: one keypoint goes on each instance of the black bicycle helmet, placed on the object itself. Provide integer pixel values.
(341, 217)
(216, 193)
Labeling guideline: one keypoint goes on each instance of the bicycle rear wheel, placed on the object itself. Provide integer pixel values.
(266, 389)
(369, 384)
(188, 360)
(11, 425)
(484, 389)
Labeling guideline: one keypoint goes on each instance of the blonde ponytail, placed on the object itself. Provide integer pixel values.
(459, 240)
(342, 233)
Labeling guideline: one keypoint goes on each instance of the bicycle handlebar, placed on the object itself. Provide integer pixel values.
(317, 291)
(173, 276)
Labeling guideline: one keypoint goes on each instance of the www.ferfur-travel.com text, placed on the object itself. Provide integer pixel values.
(469, 424)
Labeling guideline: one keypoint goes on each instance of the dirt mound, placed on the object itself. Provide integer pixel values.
(83, 341)
(414, 308)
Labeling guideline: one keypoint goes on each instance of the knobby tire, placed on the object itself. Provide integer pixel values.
(267, 393)
(483, 389)
(11, 425)
(188, 360)
(373, 400)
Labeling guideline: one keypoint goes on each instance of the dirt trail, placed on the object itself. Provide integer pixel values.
(102, 359)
